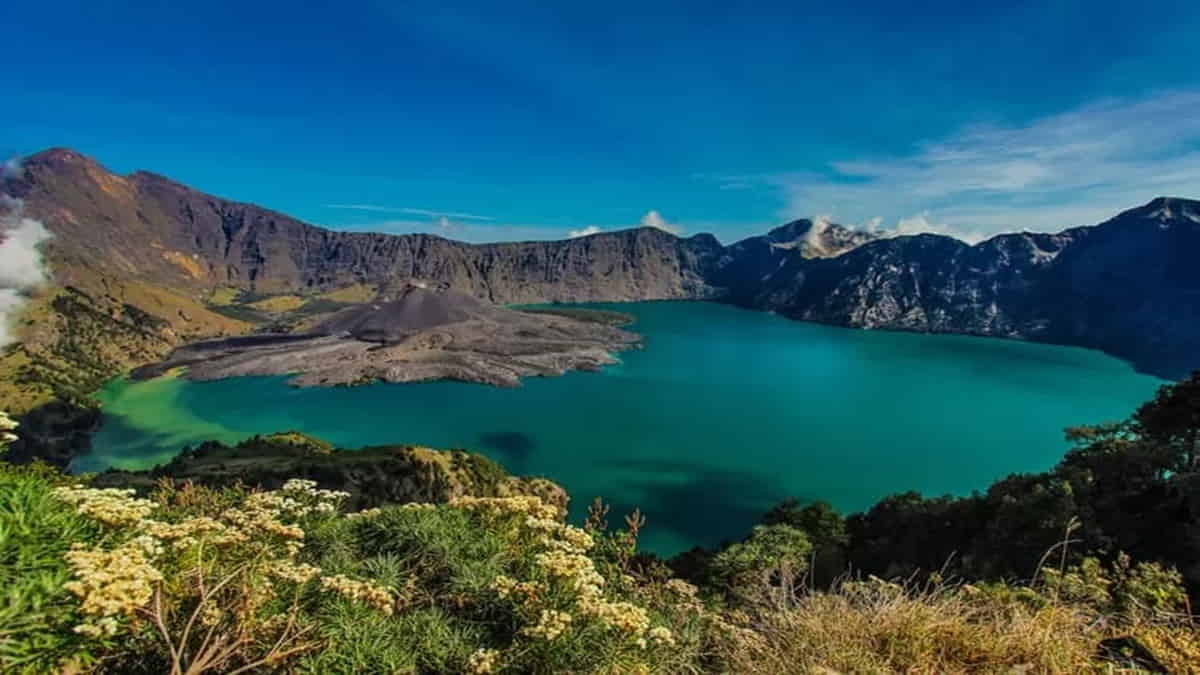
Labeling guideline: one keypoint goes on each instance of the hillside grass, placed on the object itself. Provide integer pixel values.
(353, 294)
(278, 304)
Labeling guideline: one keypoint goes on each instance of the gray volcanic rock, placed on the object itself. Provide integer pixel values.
(422, 335)
(415, 309)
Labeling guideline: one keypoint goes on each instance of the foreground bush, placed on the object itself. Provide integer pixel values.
(194, 580)
(882, 627)
(36, 530)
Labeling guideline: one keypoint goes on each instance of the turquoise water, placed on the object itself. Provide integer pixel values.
(724, 412)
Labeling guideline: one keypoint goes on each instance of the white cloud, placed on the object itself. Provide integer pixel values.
(21, 266)
(654, 219)
(475, 233)
(377, 208)
(920, 224)
(1075, 168)
(820, 223)
(11, 168)
(10, 303)
(589, 230)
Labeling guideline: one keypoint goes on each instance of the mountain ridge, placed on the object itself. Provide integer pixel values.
(1053, 287)
(249, 246)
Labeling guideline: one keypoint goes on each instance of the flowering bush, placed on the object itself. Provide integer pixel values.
(568, 611)
(7, 426)
(188, 579)
(207, 581)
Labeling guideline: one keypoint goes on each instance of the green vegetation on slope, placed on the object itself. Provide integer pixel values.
(1130, 487)
(603, 316)
(374, 476)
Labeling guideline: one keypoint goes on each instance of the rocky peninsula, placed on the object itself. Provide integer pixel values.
(421, 334)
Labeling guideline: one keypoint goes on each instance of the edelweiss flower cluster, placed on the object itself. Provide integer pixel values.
(623, 616)
(309, 487)
(570, 566)
(572, 539)
(365, 513)
(298, 498)
(110, 506)
(524, 591)
(189, 532)
(290, 570)
(564, 561)
(7, 426)
(419, 506)
(530, 505)
(112, 583)
(662, 635)
(550, 625)
(681, 588)
(365, 592)
(483, 661)
(258, 519)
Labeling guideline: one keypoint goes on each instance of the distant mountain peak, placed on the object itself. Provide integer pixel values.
(60, 156)
(1171, 208)
(818, 238)
(1165, 209)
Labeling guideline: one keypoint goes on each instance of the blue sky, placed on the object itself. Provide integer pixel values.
(513, 120)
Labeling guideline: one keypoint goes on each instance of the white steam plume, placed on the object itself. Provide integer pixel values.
(814, 237)
(654, 219)
(589, 230)
(21, 266)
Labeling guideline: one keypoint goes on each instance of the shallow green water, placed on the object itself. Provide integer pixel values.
(723, 413)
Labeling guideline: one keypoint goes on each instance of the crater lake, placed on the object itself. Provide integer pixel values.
(722, 414)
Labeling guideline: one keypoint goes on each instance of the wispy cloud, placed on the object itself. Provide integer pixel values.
(654, 219)
(589, 230)
(11, 168)
(1074, 168)
(21, 266)
(443, 226)
(378, 208)
(446, 225)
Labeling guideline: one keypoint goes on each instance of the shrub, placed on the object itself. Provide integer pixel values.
(196, 580)
(36, 616)
(767, 565)
(191, 580)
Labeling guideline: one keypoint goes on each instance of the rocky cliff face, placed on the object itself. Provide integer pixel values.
(147, 226)
(1127, 286)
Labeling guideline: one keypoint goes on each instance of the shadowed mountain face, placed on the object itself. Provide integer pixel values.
(1127, 286)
